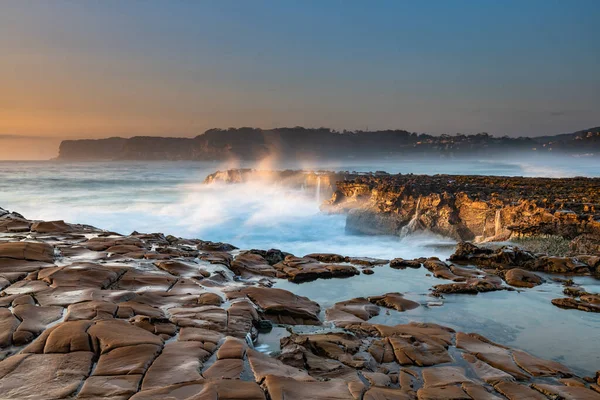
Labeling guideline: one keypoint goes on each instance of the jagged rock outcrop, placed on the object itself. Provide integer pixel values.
(508, 257)
(470, 207)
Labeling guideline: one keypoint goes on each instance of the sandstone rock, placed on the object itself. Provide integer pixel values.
(566, 392)
(89, 310)
(217, 257)
(179, 362)
(34, 320)
(200, 335)
(8, 325)
(215, 246)
(232, 348)
(81, 275)
(400, 263)
(467, 207)
(471, 286)
(442, 393)
(63, 338)
(466, 272)
(26, 287)
(47, 376)
(382, 351)
(491, 353)
(355, 310)
(306, 269)
(326, 257)
(502, 258)
(128, 360)
(514, 391)
(141, 281)
(132, 308)
(31, 251)
(441, 270)
(479, 392)
(379, 393)
(570, 303)
(281, 388)
(366, 261)
(19, 267)
(205, 390)
(210, 298)
(521, 278)
(411, 351)
(485, 371)
(13, 225)
(281, 306)
(263, 366)
(51, 227)
(377, 378)
(444, 376)
(225, 369)
(539, 367)
(561, 265)
(180, 268)
(395, 301)
(248, 264)
(110, 387)
(180, 391)
(110, 334)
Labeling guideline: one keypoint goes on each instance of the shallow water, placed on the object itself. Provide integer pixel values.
(522, 319)
(169, 197)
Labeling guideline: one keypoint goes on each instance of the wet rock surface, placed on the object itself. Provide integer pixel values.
(471, 207)
(90, 314)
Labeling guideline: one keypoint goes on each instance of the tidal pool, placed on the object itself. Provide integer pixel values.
(523, 319)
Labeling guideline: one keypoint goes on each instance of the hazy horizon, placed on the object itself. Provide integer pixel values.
(89, 70)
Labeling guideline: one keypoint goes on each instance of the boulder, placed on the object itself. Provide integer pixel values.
(521, 278)
(395, 301)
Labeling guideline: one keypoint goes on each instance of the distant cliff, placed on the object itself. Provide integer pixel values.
(301, 143)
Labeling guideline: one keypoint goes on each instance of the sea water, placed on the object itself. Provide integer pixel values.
(170, 197)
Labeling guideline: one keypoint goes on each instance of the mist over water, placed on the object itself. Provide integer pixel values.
(170, 197)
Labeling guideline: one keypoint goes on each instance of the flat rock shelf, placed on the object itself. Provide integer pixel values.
(91, 314)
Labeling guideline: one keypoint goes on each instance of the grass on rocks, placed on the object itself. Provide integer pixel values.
(551, 245)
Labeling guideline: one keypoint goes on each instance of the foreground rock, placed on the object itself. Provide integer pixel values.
(89, 314)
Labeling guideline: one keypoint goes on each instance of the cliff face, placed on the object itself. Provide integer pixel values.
(469, 207)
(300, 144)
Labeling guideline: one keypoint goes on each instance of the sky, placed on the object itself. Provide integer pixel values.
(91, 69)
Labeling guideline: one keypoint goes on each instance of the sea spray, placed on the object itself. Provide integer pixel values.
(497, 222)
(413, 224)
(318, 194)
